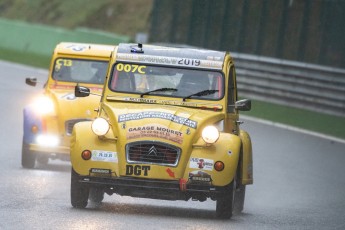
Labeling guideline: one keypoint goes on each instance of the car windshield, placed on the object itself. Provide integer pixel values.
(167, 81)
(80, 71)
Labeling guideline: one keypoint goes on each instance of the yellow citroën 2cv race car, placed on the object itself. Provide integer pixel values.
(167, 128)
(49, 119)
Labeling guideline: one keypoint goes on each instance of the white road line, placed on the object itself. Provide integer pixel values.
(292, 128)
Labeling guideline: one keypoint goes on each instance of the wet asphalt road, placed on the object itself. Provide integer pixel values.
(299, 182)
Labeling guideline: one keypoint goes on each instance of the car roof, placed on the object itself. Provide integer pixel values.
(84, 49)
(169, 55)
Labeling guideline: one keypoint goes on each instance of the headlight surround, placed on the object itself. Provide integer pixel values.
(100, 126)
(210, 134)
(43, 105)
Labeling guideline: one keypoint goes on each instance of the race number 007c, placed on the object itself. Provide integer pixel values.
(131, 68)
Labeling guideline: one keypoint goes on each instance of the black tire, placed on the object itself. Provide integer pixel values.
(79, 192)
(28, 157)
(96, 195)
(225, 201)
(239, 198)
(240, 191)
(43, 160)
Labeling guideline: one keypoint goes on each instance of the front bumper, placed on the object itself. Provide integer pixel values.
(58, 152)
(155, 189)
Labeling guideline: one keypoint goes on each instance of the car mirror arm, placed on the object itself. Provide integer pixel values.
(81, 91)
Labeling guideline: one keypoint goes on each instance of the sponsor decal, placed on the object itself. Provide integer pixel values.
(199, 176)
(200, 163)
(172, 61)
(170, 173)
(214, 107)
(143, 100)
(75, 47)
(160, 115)
(100, 171)
(105, 156)
(170, 102)
(188, 131)
(156, 131)
(137, 170)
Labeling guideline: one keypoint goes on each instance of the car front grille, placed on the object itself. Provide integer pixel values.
(69, 124)
(151, 152)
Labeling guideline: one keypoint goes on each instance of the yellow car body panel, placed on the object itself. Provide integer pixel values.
(247, 158)
(227, 148)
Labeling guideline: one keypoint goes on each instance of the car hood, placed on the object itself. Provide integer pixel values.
(68, 107)
(173, 124)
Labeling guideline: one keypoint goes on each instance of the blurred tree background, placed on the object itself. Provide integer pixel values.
(118, 16)
(310, 31)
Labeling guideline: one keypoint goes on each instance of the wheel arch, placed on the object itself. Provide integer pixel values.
(246, 158)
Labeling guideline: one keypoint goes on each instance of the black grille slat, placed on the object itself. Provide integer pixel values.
(69, 124)
(153, 153)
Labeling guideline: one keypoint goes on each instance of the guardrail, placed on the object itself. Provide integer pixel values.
(301, 85)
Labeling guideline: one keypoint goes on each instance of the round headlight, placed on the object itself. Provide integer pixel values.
(44, 105)
(100, 126)
(210, 134)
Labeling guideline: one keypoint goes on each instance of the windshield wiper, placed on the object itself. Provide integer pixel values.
(201, 93)
(158, 90)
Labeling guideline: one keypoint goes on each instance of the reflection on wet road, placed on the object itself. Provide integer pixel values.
(299, 182)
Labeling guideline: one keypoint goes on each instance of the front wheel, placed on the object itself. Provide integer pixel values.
(79, 192)
(225, 201)
(239, 198)
(43, 160)
(28, 157)
(96, 195)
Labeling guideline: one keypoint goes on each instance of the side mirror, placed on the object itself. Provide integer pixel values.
(81, 91)
(243, 105)
(31, 81)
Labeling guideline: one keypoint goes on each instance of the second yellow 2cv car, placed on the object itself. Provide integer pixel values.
(49, 119)
(167, 128)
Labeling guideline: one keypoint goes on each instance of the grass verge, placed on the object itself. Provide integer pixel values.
(36, 60)
(305, 119)
(313, 121)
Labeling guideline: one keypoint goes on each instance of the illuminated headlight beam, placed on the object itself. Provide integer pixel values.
(43, 105)
(47, 140)
(210, 134)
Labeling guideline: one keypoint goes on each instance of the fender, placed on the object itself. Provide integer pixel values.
(30, 119)
(84, 139)
(247, 158)
(227, 149)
